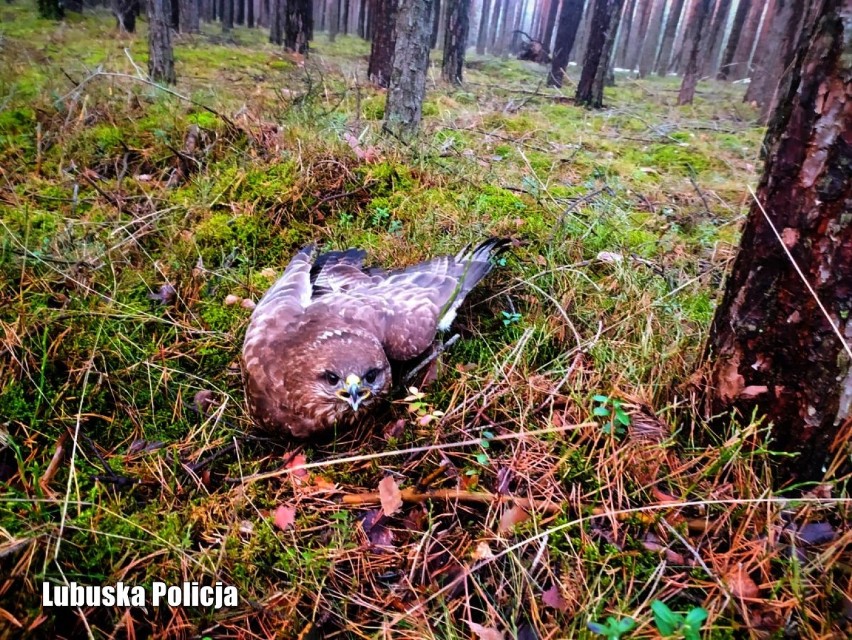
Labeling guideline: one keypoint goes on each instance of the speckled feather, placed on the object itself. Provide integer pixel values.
(330, 315)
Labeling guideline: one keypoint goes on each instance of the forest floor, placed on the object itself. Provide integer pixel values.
(558, 471)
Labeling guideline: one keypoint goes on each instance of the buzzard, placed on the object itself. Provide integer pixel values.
(319, 344)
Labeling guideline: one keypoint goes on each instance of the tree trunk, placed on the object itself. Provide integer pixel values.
(455, 40)
(604, 26)
(508, 25)
(161, 63)
(515, 43)
(240, 12)
(779, 52)
(667, 45)
(276, 21)
(569, 21)
(125, 14)
(620, 52)
(725, 64)
(298, 25)
(498, 7)
(250, 19)
(772, 351)
(715, 38)
(188, 16)
(404, 108)
(582, 39)
(383, 20)
(482, 36)
(173, 9)
(74, 5)
(638, 34)
(362, 18)
(550, 24)
(692, 46)
(344, 18)
(227, 16)
(648, 56)
(332, 10)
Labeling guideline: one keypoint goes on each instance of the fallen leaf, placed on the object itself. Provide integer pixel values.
(741, 584)
(285, 517)
(553, 598)
(512, 516)
(485, 633)
(390, 495)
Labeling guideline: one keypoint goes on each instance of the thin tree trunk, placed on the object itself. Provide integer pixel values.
(298, 25)
(276, 21)
(716, 38)
(772, 352)
(743, 9)
(436, 24)
(620, 52)
(404, 107)
(344, 18)
(161, 62)
(482, 36)
(383, 20)
(125, 14)
(189, 20)
(508, 25)
(582, 39)
(550, 24)
(250, 19)
(761, 47)
(692, 45)
(740, 65)
(648, 56)
(515, 42)
(455, 40)
(493, 35)
(569, 22)
(362, 18)
(228, 16)
(638, 34)
(667, 45)
(332, 8)
(604, 26)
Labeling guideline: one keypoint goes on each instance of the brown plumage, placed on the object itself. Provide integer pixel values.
(320, 341)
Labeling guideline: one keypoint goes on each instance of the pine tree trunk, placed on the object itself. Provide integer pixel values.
(582, 39)
(161, 62)
(515, 43)
(779, 52)
(362, 18)
(692, 47)
(638, 34)
(239, 12)
(125, 14)
(276, 21)
(569, 22)
(227, 16)
(250, 19)
(482, 36)
(667, 45)
(298, 25)
(344, 19)
(189, 21)
(404, 107)
(550, 24)
(332, 8)
(771, 350)
(715, 38)
(497, 9)
(604, 26)
(455, 40)
(727, 60)
(648, 56)
(622, 38)
(508, 26)
(383, 20)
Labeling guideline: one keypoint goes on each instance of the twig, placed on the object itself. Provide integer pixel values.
(700, 193)
(449, 495)
(195, 466)
(430, 359)
(574, 205)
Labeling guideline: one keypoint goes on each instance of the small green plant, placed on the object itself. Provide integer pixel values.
(670, 623)
(613, 629)
(346, 220)
(511, 317)
(422, 410)
(611, 408)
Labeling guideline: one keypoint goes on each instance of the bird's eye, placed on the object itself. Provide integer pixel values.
(370, 376)
(331, 378)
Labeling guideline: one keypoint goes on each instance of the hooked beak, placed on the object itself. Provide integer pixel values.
(354, 393)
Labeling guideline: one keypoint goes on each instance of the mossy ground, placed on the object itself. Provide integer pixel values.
(626, 220)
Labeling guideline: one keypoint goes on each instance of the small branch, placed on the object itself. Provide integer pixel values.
(430, 359)
(477, 497)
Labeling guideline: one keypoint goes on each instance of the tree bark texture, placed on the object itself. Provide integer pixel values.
(161, 62)
(276, 21)
(455, 40)
(383, 20)
(581, 41)
(692, 47)
(771, 349)
(715, 38)
(298, 25)
(604, 26)
(648, 56)
(125, 14)
(725, 64)
(506, 35)
(228, 16)
(404, 107)
(620, 53)
(761, 48)
(569, 22)
(497, 9)
(638, 34)
(550, 24)
(669, 35)
(781, 48)
(188, 16)
(332, 9)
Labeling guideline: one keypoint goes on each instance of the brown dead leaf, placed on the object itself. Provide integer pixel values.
(512, 516)
(741, 584)
(285, 517)
(390, 495)
(553, 598)
(485, 633)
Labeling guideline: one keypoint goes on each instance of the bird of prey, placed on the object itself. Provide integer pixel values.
(319, 344)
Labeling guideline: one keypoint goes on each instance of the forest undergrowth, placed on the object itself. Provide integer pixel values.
(556, 473)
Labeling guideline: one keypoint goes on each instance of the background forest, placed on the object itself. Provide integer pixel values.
(600, 451)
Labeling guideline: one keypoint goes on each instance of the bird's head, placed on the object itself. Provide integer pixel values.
(353, 372)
